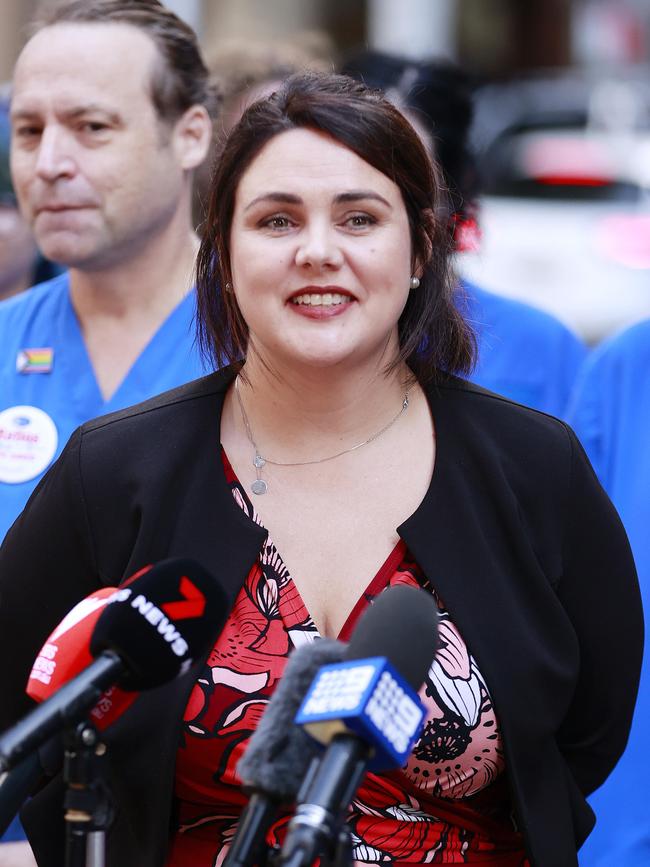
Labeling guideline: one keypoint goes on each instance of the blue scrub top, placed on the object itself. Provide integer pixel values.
(610, 412)
(43, 318)
(523, 353)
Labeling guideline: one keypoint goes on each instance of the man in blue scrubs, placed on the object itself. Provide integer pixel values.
(610, 412)
(109, 120)
(523, 353)
(110, 116)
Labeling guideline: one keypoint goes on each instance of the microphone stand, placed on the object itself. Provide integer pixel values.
(337, 854)
(340, 854)
(87, 803)
(327, 789)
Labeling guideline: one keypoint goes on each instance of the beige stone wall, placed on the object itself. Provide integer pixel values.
(257, 19)
(15, 16)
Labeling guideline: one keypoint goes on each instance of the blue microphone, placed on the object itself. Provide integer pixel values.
(365, 711)
(369, 699)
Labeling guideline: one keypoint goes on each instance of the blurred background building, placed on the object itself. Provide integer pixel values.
(562, 127)
(494, 38)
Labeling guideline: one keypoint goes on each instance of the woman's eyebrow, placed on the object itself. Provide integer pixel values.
(282, 198)
(359, 195)
(341, 198)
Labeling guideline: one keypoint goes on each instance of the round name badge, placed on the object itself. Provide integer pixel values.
(28, 441)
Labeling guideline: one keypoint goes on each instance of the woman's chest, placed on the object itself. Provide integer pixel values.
(334, 545)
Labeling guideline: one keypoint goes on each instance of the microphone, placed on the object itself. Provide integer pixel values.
(67, 652)
(150, 631)
(366, 710)
(278, 752)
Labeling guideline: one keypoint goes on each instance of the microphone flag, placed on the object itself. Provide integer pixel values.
(367, 698)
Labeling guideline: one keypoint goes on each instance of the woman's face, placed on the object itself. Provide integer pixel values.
(320, 253)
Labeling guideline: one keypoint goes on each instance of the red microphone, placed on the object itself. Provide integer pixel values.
(66, 653)
(143, 634)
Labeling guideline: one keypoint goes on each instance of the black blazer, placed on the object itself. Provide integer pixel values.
(515, 533)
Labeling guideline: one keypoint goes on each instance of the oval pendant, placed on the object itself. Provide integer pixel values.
(258, 486)
(258, 461)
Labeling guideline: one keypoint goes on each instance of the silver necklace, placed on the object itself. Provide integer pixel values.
(259, 486)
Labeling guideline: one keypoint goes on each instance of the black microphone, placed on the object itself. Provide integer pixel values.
(366, 710)
(278, 752)
(152, 630)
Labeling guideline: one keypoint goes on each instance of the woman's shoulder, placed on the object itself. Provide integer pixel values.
(196, 397)
(154, 437)
(489, 432)
(472, 404)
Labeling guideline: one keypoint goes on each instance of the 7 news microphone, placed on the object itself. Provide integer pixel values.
(112, 645)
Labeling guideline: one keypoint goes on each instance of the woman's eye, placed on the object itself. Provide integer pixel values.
(277, 222)
(360, 221)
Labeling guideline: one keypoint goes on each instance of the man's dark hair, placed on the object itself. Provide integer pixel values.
(433, 337)
(180, 78)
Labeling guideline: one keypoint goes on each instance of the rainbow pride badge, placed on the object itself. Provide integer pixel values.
(35, 360)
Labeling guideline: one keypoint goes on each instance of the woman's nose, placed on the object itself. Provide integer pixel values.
(319, 248)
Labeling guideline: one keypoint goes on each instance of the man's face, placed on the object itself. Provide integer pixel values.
(96, 172)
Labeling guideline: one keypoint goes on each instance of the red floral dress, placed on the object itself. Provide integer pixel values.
(448, 805)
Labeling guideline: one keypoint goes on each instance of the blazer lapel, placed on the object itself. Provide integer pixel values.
(210, 526)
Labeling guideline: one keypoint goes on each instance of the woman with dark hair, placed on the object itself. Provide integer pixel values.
(336, 455)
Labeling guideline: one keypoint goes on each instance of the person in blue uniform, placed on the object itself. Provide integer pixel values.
(111, 114)
(102, 161)
(610, 411)
(46, 373)
(523, 353)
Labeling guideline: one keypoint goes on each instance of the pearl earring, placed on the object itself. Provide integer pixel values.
(228, 287)
(415, 282)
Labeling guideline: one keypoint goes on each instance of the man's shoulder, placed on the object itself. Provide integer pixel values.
(24, 306)
(631, 346)
(615, 374)
(497, 311)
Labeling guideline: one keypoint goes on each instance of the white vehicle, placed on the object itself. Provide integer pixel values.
(566, 211)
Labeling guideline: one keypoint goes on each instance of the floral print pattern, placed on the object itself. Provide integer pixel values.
(448, 805)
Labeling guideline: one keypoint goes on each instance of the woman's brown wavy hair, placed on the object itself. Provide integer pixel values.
(433, 337)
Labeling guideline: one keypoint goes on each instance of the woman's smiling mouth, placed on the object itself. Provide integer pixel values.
(321, 299)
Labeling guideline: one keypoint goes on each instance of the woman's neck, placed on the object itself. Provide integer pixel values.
(300, 414)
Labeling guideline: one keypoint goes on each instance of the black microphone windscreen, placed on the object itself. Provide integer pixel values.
(161, 621)
(279, 752)
(402, 625)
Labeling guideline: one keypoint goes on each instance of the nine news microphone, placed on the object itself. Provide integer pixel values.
(149, 631)
(366, 710)
(278, 752)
